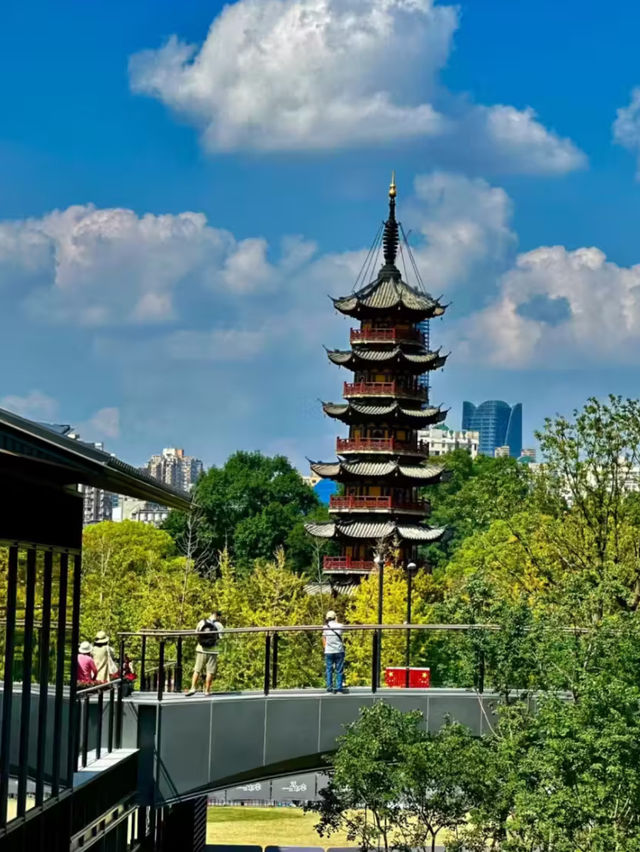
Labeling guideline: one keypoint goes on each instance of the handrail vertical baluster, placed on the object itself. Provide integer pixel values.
(161, 670)
(267, 661)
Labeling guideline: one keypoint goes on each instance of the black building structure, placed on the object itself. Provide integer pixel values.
(40, 576)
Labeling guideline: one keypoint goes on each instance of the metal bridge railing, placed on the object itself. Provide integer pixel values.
(159, 675)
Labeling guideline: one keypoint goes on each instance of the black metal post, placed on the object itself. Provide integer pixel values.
(119, 705)
(43, 704)
(380, 617)
(161, 671)
(61, 643)
(267, 661)
(99, 728)
(73, 684)
(143, 662)
(84, 736)
(111, 712)
(407, 652)
(27, 665)
(274, 662)
(375, 666)
(178, 680)
(7, 695)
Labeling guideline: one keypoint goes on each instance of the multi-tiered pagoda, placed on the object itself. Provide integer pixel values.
(382, 465)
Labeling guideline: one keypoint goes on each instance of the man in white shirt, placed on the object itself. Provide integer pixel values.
(333, 652)
(210, 630)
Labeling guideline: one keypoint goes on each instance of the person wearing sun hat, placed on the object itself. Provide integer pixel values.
(333, 652)
(86, 668)
(103, 657)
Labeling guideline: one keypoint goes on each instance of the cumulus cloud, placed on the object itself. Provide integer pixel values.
(34, 405)
(465, 225)
(299, 74)
(518, 141)
(218, 344)
(296, 75)
(626, 127)
(105, 423)
(558, 308)
(96, 267)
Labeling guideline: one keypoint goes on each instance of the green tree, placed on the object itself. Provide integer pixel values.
(250, 507)
(478, 492)
(364, 794)
(393, 784)
(132, 578)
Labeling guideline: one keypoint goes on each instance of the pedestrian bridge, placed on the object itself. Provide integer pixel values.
(188, 746)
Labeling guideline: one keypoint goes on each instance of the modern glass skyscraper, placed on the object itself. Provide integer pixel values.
(499, 424)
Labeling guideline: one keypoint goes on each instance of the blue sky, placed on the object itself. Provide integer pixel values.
(181, 187)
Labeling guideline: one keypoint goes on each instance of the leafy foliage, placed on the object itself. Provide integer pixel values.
(250, 507)
(478, 492)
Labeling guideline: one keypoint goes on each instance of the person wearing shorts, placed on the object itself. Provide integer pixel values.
(206, 653)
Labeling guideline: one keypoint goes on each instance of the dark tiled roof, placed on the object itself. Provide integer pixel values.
(358, 412)
(415, 362)
(389, 293)
(374, 530)
(419, 473)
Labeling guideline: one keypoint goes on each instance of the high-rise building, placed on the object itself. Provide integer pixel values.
(499, 425)
(442, 440)
(172, 467)
(97, 504)
(381, 463)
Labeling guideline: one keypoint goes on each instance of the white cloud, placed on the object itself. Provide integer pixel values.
(105, 423)
(466, 226)
(626, 127)
(95, 267)
(556, 309)
(518, 141)
(299, 74)
(294, 75)
(35, 405)
(219, 344)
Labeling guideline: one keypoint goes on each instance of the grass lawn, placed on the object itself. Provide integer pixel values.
(267, 827)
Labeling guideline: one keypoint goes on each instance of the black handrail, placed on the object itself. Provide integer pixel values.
(166, 676)
(84, 696)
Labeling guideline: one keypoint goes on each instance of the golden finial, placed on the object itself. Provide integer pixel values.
(392, 185)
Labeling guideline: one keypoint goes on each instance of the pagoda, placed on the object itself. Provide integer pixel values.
(381, 464)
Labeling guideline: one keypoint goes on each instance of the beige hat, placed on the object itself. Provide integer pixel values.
(85, 648)
(101, 636)
(331, 616)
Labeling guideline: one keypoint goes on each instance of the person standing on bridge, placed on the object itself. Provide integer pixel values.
(86, 668)
(333, 652)
(210, 630)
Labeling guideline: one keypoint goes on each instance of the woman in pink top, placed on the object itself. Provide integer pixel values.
(87, 671)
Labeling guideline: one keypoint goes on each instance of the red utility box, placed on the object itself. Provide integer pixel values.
(396, 676)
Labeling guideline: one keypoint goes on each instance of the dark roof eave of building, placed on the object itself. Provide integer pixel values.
(90, 466)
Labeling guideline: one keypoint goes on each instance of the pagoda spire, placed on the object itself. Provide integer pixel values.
(390, 237)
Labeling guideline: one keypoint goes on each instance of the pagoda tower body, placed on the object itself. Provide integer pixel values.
(381, 465)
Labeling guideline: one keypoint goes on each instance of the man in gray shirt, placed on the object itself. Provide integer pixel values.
(333, 652)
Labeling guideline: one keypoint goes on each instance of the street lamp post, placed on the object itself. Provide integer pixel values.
(411, 567)
(379, 561)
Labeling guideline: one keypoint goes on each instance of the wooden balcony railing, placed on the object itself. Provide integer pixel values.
(386, 335)
(375, 503)
(382, 389)
(345, 563)
(384, 445)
